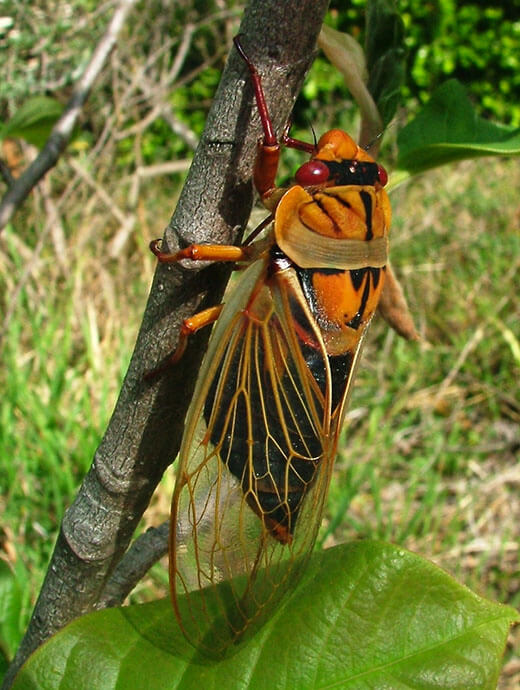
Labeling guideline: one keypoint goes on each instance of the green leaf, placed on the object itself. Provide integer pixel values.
(384, 47)
(34, 120)
(448, 129)
(10, 612)
(365, 615)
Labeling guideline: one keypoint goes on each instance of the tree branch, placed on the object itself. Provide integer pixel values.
(144, 434)
(62, 130)
(144, 552)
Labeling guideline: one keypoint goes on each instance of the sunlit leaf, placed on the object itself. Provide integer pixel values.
(448, 129)
(366, 615)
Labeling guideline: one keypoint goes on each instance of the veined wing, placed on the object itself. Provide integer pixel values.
(255, 461)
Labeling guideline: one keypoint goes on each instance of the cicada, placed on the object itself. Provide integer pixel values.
(262, 431)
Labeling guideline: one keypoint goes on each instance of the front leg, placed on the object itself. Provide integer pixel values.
(268, 154)
(201, 252)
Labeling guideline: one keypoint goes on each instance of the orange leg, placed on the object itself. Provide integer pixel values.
(189, 326)
(195, 252)
(201, 252)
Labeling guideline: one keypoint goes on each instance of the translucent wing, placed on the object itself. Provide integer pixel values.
(256, 459)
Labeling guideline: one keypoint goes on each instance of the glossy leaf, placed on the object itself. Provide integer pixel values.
(366, 615)
(448, 129)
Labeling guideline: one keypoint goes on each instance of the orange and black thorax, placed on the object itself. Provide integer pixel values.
(347, 219)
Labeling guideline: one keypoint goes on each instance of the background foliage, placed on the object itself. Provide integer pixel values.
(474, 42)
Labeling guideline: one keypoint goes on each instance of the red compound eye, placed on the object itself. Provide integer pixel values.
(382, 175)
(312, 172)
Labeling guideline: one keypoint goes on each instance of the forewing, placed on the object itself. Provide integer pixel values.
(255, 461)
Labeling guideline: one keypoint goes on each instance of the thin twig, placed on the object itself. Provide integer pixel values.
(168, 168)
(107, 200)
(145, 551)
(180, 57)
(163, 108)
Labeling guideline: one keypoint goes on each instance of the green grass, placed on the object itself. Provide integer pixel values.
(65, 344)
(429, 457)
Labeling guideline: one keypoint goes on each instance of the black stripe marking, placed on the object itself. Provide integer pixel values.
(356, 276)
(336, 227)
(356, 321)
(367, 203)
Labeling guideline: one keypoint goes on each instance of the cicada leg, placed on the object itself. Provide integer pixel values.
(291, 143)
(201, 252)
(268, 154)
(192, 325)
(188, 327)
(194, 252)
